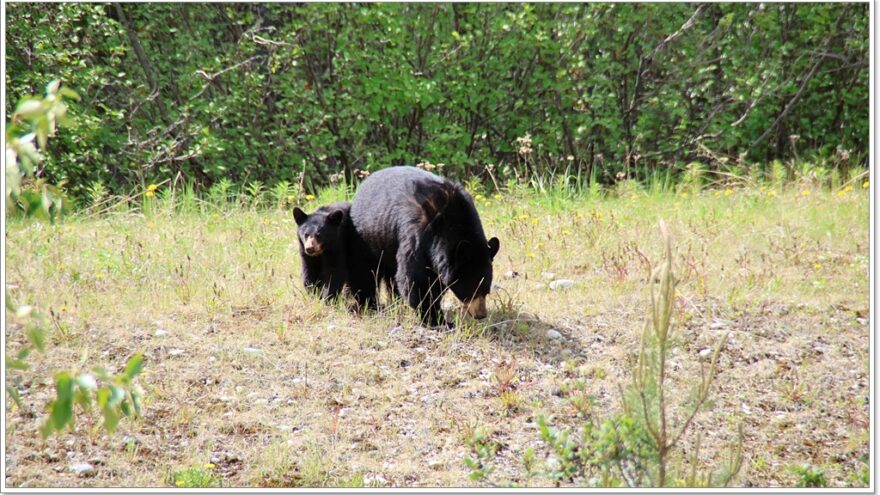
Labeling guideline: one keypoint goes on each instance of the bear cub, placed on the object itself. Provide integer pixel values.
(323, 246)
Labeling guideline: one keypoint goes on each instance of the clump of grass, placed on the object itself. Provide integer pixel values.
(196, 477)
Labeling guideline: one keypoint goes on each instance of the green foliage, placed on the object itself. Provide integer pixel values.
(482, 450)
(195, 477)
(34, 119)
(809, 476)
(303, 93)
(117, 396)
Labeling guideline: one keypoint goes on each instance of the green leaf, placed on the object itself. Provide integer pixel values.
(111, 418)
(116, 395)
(134, 366)
(103, 397)
(28, 109)
(52, 87)
(69, 93)
(37, 337)
(87, 382)
(14, 394)
(24, 353)
(16, 364)
(126, 410)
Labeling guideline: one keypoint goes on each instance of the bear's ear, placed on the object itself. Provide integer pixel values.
(299, 215)
(494, 246)
(335, 217)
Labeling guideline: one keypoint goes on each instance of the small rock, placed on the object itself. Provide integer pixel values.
(395, 331)
(553, 334)
(435, 464)
(331, 327)
(561, 284)
(548, 275)
(252, 350)
(718, 324)
(511, 274)
(557, 392)
(161, 332)
(82, 469)
(175, 352)
(344, 412)
(705, 353)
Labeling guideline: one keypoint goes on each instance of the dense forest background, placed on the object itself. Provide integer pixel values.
(303, 92)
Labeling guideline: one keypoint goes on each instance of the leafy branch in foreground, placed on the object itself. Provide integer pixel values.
(116, 395)
(34, 120)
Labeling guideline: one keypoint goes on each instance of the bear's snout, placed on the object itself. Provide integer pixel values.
(312, 247)
(476, 307)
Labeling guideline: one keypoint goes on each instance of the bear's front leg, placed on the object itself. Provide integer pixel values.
(421, 287)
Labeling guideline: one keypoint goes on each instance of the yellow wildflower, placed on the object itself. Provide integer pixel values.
(478, 197)
(149, 194)
(762, 188)
(522, 217)
(535, 220)
(728, 191)
(771, 193)
(152, 187)
(310, 197)
(497, 196)
(566, 232)
(816, 266)
(684, 194)
(487, 203)
(805, 192)
(717, 193)
(179, 482)
(531, 254)
(209, 466)
(865, 185)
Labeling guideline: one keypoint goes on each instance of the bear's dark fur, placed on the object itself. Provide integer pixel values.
(323, 246)
(420, 234)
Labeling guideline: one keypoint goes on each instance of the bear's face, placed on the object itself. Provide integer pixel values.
(472, 275)
(319, 231)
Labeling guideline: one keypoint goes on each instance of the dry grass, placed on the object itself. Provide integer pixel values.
(273, 388)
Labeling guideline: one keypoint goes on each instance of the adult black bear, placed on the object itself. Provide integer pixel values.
(422, 235)
(323, 246)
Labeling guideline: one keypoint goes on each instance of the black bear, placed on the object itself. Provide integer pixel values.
(420, 234)
(323, 246)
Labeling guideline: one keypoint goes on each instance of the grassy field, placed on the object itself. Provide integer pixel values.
(251, 382)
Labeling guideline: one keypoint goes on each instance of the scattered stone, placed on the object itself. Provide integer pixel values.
(718, 325)
(331, 327)
(252, 350)
(82, 469)
(161, 332)
(375, 481)
(175, 352)
(435, 464)
(548, 275)
(561, 284)
(395, 331)
(344, 412)
(553, 334)
(705, 353)
(511, 274)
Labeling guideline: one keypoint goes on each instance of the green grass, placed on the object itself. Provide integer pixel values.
(330, 398)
